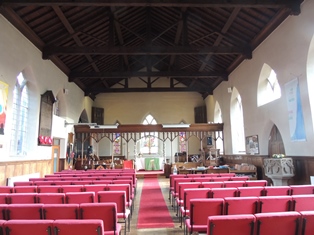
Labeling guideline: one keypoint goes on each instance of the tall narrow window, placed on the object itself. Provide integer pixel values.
(149, 140)
(218, 134)
(237, 123)
(19, 118)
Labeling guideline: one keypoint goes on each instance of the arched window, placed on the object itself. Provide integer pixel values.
(310, 75)
(18, 143)
(237, 123)
(218, 134)
(149, 140)
(268, 86)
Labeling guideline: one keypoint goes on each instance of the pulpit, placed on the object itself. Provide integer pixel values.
(280, 170)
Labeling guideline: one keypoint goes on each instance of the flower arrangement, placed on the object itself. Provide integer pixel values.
(278, 155)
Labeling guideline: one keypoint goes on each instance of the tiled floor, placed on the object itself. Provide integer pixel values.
(164, 184)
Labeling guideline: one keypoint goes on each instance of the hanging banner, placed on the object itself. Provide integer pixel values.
(3, 105)
(295, 113)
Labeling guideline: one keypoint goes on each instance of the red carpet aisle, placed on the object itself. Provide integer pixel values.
(153, 212)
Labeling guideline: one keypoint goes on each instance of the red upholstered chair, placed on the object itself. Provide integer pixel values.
(48, 189)
(61, 182)
(276, 191)
(303, 202)
(19, 198)
(254, 183)
(234, 184)
(182, 187)
(200, 209)
(3, 198)
(78, 227)
(220, 178)
(2, 226)
(190, 194)
(301, 189)
(94, 188)
(30, 227)
(241, 205)
(231, 224)
(307, 226)
(239, 178)
(79, 197)
(227, 174)
(6, 189)
(71, 188)
(122, 187)
(202, 179)
(51, 198)
(253, 191)
(82, 182)
(3, 212)
(119, 198)
(24, 211)
(126, 181)
(212, 184)
(43, 183)
(175, 192)
(171, 182)
(99, 181)
(60, 211)
(223, 192)
(104, 211)
(275, 204)
(25, 189)
(23, 183)
(275, 223)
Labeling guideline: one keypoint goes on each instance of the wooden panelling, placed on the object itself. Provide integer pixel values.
(10, 169)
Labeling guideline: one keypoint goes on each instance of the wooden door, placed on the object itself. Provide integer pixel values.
(275, 144)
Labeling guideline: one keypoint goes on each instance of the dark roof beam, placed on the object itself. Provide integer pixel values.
(150, 50)
(156, 3)
(177, 37)
(69, 28)
(124, 74)
(226, 27)
(119, 34)
(152, 89)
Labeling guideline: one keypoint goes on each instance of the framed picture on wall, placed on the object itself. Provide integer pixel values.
(252, 146)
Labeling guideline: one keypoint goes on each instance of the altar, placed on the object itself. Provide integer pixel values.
(149, 163)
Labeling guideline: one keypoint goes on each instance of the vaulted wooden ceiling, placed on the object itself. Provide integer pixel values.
(102, 44)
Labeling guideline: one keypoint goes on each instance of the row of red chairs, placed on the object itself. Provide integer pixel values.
(201, 209)
(287, 223)
(52, 227)
(63, 206)
(177, 192)
(61, 186)
(91, 218)
(24, 192)
(94, 171)
(173, 191)
(295, 202)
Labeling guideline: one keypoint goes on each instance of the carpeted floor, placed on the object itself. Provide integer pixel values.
(153, 211)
